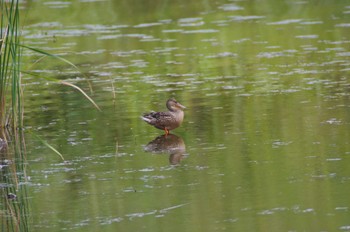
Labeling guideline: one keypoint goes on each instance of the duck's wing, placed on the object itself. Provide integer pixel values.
(160, 115)
(158, 119)
(157, 116)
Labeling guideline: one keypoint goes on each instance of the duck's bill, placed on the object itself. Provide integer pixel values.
(180, 106)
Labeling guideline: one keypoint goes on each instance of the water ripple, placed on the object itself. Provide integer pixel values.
(284, 22)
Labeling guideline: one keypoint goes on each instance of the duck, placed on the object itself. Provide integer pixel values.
(168, 120)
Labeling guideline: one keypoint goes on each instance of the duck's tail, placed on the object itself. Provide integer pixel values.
(146, 119)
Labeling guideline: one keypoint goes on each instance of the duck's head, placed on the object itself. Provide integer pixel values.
(173, 105)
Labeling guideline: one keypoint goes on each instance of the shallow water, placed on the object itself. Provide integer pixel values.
(265, 141)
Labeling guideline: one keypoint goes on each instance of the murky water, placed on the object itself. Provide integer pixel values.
(265, 141)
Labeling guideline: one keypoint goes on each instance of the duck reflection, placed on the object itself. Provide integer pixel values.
(172, 144)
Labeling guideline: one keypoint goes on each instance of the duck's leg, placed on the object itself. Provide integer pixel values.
(166, 131)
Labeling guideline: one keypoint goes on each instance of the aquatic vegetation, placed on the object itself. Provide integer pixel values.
(10, 70)
(14, 206)
(10, 76)
(13, 178)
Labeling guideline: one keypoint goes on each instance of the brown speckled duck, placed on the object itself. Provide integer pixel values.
(166, 120)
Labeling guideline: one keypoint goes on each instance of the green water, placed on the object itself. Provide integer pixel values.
(265, 141)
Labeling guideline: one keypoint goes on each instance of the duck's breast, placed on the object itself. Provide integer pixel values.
(178, 117)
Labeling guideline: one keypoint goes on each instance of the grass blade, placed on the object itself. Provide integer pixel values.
(50, 55)
(64, 82)
(49, 146)
(81, 91)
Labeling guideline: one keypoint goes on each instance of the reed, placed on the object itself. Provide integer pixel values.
(14, 204)
(12, 154)
(10, 55)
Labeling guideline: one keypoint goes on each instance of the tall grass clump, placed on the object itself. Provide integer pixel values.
(10, 76)
(13, 192)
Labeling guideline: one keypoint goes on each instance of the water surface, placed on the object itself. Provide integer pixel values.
(265, 141)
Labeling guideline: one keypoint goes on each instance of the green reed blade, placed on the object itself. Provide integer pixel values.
(63, 82)
(48, 145)
(50, 55)
(81, 91)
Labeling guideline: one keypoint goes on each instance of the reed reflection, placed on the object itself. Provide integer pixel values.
(171, 144)
(13, 178)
